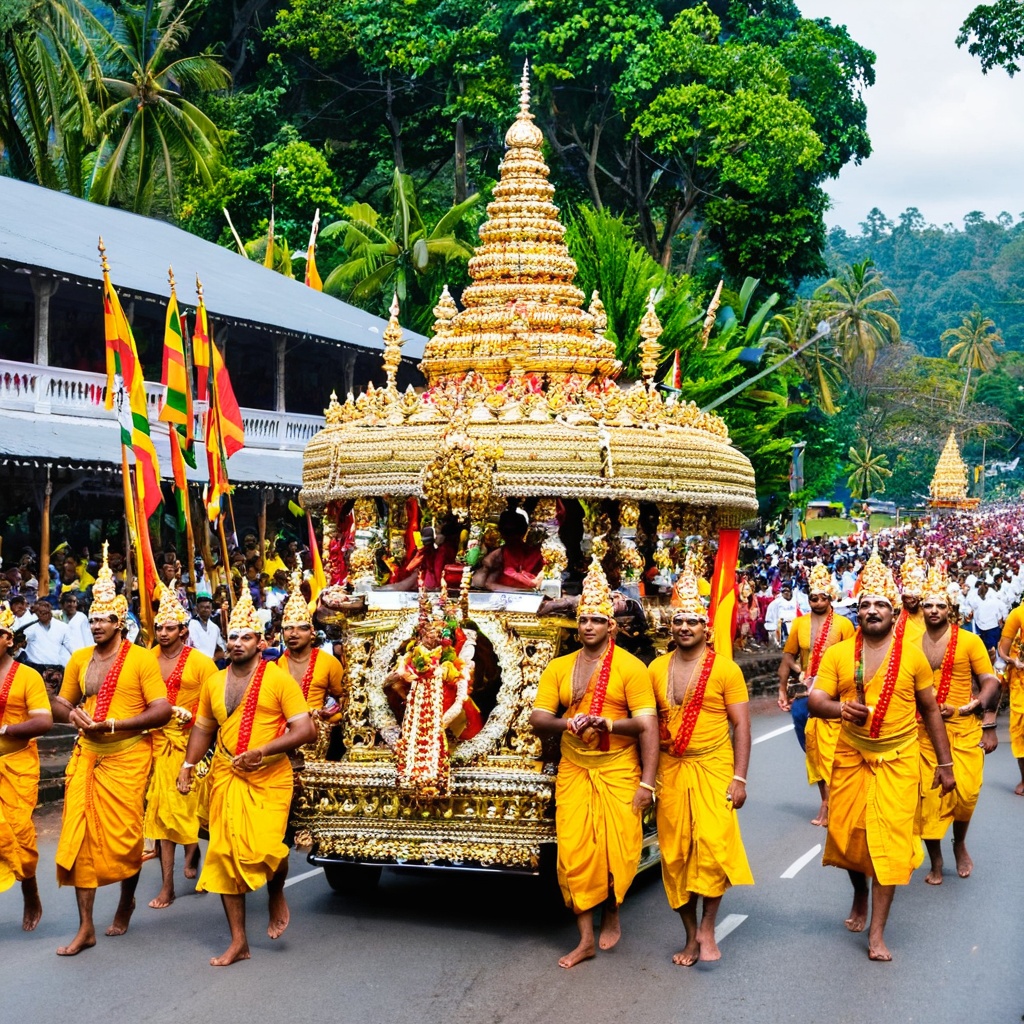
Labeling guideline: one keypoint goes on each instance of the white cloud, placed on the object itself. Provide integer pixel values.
(946, 138)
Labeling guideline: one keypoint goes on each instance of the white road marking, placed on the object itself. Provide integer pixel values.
(729, 925)
(801, 862)
(303, 877)
(773, 734)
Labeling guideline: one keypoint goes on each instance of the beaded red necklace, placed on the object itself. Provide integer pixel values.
(820, 642)
(174, 679)
(109, 685)
(307, 678)
(5, 690)
(892, 671)
(694, 703)
(947, 665)
(249, 713)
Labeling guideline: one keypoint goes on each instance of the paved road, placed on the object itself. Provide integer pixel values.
(429, 947)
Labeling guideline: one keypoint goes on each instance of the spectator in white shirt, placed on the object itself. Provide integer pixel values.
(986, 611)
(780, 615)
(23, 615)
(203, 634)
(76, 621)
(48, 645)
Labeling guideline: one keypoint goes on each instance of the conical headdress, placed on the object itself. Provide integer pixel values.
(876, 580)
(913, 573)
(686, 591)
(596, 598)
(105, 598)
(6, 619)
(296, 610)
(170, 612)
(820, 582)
(244, 617)
(938, 588)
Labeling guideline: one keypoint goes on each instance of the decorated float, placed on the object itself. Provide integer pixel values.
(948, 489)
(523, 415)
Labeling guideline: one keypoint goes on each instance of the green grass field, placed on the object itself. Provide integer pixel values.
(836, 527)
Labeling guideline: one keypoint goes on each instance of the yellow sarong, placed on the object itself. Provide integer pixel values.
(169, 814)
(19, 790)
(101, 831)
(821, 737)
(938, 811)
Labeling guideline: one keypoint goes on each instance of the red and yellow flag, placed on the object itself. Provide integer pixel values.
(177, 409)
(203, 350)
(722, 610)
(312, 277)
(126, 388)
(318, 580)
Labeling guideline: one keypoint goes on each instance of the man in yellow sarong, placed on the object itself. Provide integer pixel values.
(702, 779)
(1011, 650)
(24, 715)
(809, 638)
(959, 660)
(172, 817)
(599, 702)
(875, 684)
(113, 694)
(258, 715)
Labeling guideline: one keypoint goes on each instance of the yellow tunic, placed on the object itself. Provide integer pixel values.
(820, 734)
(248, 810)
(699, 834)
(328, 678)
(169, 815)
(1013, 630)
(101, 831)
(19, 779)
(915, 626)
(599, 834)
(937, 811)
(875, 782)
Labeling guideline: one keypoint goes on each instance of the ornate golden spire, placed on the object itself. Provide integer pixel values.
(393, 341)
(522, 308)
(949, 484)
(650, 351)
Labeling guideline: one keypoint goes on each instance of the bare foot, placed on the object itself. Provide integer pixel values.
(858, 918)
(688, 955)
(964, 864)
(584, 951)
(230, 955)
(279, 915)
(85, 939)
(880, 953)
(122, 918)
(1020, 788)
(33, 907)
(934, 877)
(709, 950)
(192, 863)
(162, 899)
(822, 818)
(611, 929)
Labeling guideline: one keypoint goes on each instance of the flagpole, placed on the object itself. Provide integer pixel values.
(224, 561)
(44, 540)
(190, 543)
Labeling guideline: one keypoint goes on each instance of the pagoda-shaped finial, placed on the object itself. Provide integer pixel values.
(949, 484)
(597, 311)
(103, 256)
(650, 351)
(524, 91)
(524, 134)
(712, 315)
(444, 311)
(393, 341)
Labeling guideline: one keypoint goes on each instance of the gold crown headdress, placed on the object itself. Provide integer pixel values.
(937, 586)
(686, 591)
(596, 598)
(105, 598)
(244, 617)
(296, 609)
(6, 619)
(913, 572)
(170, 612)
(877, 580)
(820, 582)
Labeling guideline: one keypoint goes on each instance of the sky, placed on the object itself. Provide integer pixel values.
(945, 137)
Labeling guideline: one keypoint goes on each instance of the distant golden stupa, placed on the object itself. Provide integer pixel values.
(949, 485)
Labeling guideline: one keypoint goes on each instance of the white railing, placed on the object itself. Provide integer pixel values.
(54, 391)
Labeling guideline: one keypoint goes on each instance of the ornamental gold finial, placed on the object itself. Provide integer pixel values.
(650, 351)
(709, 320)
(170, 277)
(524, 90)
(393, 341)
(103, 256)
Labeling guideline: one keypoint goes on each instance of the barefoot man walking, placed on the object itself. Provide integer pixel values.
(875, 684)
(251, 779)
(702, 780)
(607, 708)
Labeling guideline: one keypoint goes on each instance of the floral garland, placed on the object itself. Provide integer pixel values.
(249, 714)
(947, 665)
(174, 679)
(5, 690)
(693, 705)
(422, 749)
(106, 690)
(820, 643)
(889, 683)
(307, 678)
(601, 691)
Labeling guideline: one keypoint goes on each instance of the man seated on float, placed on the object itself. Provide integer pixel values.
(440, 548)
(517, 564)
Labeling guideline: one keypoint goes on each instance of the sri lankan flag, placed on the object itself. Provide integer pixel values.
(126, 386)
(318, 581)
(177, 409)
(312, 276)
(221, 394)
(216, 458)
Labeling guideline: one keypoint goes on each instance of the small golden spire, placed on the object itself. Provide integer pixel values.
(650, 351)
(524, 91)
(170, 277)
(393, 341)
(103, 256)
(199, 288)
(597, 311)
(709, 319)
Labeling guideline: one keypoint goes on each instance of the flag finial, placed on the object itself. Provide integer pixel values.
(103, 256)
(170, 277)
(199, 288)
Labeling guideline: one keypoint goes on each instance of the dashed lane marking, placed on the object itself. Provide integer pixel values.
(301, 878)
(729, 925)
(801, 862)
(771, 735)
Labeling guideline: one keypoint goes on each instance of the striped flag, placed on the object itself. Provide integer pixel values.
(223, 394)
(722, 610)
(125, 384)
(312, 277)
(177, 410)
(674, 377)
(216, 459)
(318, 581)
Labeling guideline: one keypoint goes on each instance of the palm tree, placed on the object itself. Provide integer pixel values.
(151, 134)
(868, 471)
(973, 346)
(792, 328)
(856, 296)
(389, 253)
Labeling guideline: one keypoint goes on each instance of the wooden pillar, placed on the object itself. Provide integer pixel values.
(43, 288)
(279, 354)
